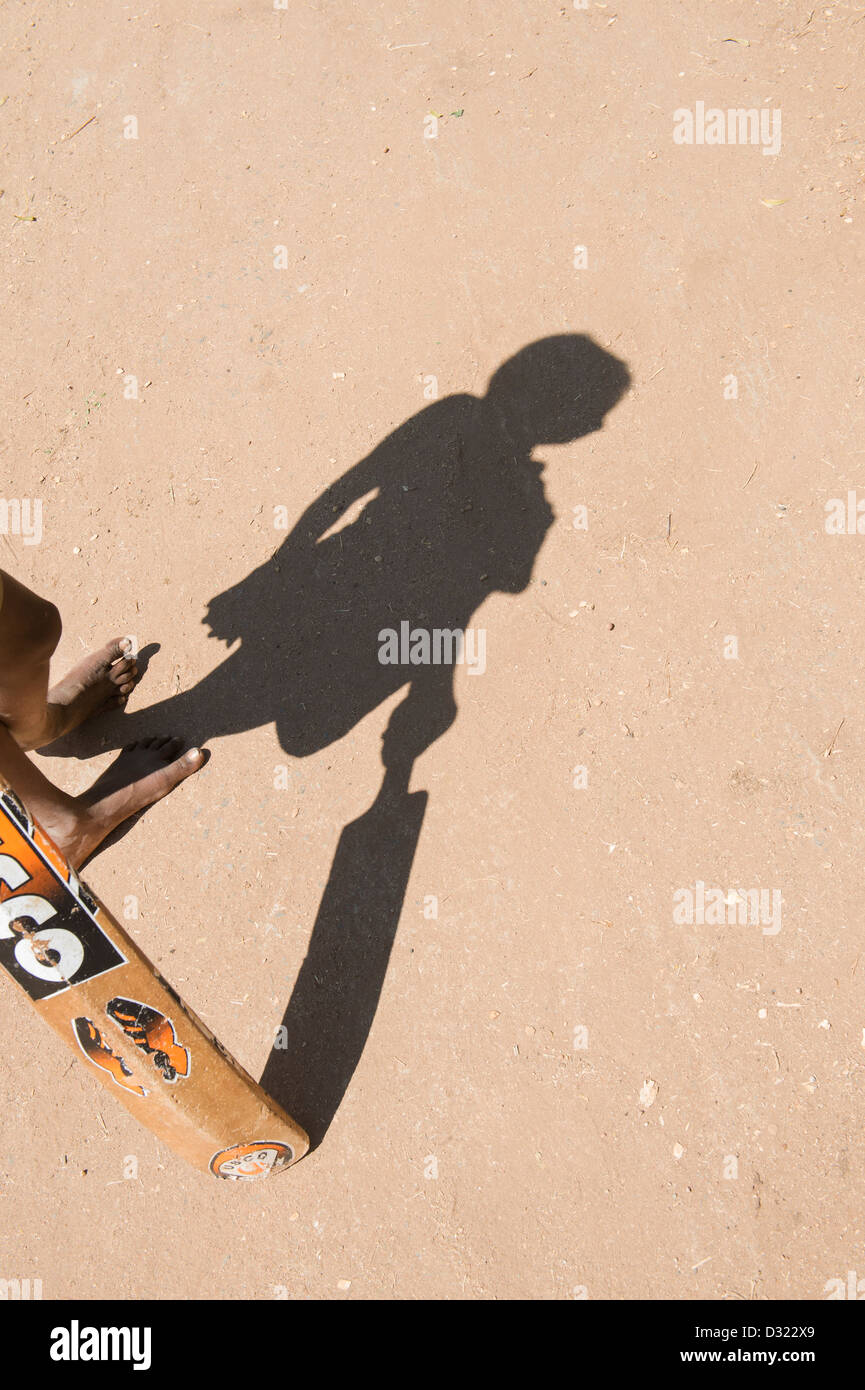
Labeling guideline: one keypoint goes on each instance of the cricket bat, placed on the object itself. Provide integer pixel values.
(91, 983)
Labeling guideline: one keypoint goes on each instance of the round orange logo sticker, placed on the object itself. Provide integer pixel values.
(249, 1161)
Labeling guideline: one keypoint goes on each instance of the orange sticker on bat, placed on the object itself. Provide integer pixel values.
(153, 1033)
(97, 1051)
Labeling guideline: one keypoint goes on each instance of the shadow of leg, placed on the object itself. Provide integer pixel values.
(336, 994)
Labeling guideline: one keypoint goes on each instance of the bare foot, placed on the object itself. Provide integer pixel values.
(143, 773)
(101, 681)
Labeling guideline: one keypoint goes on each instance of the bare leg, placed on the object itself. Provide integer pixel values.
(145, 771)
(30, 629)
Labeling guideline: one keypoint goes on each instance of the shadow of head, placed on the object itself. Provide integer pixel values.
(557, 389)
(553, 391)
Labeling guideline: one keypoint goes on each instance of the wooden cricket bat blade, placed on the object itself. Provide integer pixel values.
(86, 977)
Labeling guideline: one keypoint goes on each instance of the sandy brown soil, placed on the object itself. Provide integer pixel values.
(477, 1152)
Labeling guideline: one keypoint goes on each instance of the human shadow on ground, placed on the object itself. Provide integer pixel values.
(450, 508)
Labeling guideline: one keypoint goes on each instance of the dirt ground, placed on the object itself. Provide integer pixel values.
(239, 255)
